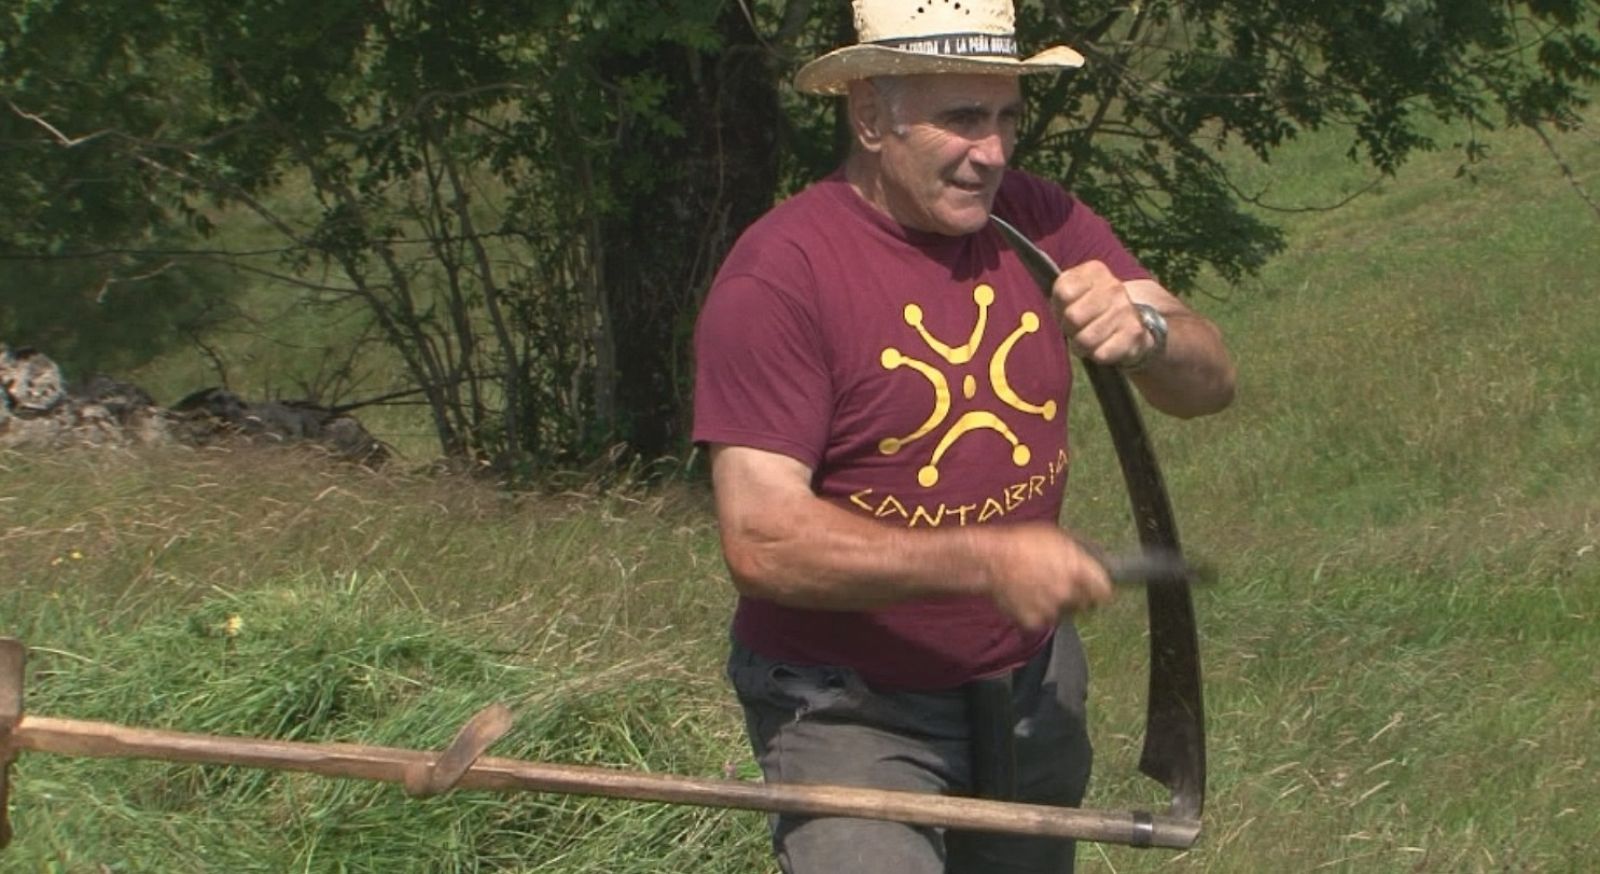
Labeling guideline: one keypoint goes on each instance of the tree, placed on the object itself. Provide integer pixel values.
(83, 240)
(1170, 82)
(526, 199)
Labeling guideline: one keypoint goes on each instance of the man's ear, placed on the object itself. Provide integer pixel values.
(868, 123)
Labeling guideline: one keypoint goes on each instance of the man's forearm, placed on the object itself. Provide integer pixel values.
(785, 544)
(819, 556)
(1194, 376)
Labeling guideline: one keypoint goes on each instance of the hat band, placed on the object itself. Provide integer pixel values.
(955, 44)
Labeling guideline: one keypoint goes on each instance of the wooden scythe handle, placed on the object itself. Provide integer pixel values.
(13, 659)
(441, 775)
(461, 767)
(391, 765)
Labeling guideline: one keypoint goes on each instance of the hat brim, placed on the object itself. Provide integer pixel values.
(833, 72)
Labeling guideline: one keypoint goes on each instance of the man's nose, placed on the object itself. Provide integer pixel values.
(991, 149)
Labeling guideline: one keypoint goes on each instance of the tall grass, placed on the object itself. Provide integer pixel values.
(1404, 503)
(278, 594)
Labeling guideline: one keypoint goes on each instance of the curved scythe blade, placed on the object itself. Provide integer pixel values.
(1174, 741)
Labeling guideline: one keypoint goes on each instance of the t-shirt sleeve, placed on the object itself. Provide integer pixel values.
(1085, 236)
(761, 377)
(1066, 227)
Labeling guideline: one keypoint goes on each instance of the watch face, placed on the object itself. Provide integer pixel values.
(1156, 325)
(1154, 322)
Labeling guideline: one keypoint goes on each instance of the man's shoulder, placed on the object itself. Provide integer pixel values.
(812, 209)
(786, 233)
(1064, 226)
(1033, 203)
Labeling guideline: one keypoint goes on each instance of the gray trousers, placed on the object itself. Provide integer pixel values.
(825, 725)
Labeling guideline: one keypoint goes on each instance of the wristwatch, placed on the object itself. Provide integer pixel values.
(1156, 325)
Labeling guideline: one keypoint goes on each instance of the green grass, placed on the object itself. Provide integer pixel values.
(1404, 504)
(375, 609)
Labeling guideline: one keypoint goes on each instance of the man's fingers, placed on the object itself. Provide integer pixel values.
(1097, 587)
(1097, 315)
(1042, 573)
(1110, 339)
(1071, 285)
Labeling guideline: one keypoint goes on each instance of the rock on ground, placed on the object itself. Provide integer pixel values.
(40, 410)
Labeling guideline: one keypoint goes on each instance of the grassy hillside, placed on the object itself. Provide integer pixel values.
(1404, 504)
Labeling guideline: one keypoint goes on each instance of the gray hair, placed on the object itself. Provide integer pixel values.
(891, 91)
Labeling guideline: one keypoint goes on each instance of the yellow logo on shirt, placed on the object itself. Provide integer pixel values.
(957, 356)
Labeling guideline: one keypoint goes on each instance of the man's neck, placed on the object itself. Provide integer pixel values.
(861, 171)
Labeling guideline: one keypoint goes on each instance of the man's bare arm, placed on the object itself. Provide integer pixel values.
(784, 544)
(1194, 376)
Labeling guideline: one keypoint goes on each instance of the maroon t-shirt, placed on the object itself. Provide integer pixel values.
(923, 380)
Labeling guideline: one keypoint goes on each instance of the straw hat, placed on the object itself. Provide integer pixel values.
(907, 37)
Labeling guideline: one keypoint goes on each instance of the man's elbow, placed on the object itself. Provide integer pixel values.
(744, 573)
(1216, 397)
(753, 571)
(1194, 399)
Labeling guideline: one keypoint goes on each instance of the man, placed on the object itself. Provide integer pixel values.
(883, 394)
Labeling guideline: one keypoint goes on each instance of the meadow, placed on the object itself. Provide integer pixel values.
(1403, 505)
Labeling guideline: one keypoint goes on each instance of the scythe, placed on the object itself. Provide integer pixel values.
(1174, 749)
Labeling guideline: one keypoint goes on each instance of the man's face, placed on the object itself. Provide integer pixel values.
(943, 154)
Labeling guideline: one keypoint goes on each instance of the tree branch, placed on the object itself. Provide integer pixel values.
(55, 133)
(1566, 169)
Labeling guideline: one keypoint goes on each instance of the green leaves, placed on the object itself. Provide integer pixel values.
(1170, 83)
